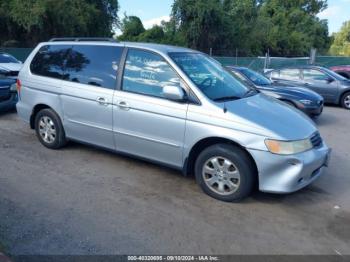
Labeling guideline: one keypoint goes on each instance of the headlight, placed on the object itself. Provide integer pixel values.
(288, 147)
(13, 87)
(305, 102)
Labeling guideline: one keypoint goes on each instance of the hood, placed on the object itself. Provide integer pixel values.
(298, 92)
(11, 66)
(273, 118)
(345, 82)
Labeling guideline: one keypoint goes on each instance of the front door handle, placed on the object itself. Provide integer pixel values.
(123, 105)
(102, 101)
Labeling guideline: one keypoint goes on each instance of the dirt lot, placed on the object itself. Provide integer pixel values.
(82, 200)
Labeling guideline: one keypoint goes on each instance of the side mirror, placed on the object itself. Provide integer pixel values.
(173, 93)
(329, 80)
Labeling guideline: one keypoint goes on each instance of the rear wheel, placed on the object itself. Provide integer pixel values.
(345, 100)
(49, 129)
(225, 172)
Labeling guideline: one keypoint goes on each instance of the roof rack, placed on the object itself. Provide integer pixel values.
(81, 39)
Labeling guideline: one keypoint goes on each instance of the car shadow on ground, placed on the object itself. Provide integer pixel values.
(7, 112)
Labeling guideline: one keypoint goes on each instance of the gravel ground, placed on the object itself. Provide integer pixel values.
(83, 200)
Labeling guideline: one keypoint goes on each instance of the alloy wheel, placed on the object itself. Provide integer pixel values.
(221, 175)
(47, 129)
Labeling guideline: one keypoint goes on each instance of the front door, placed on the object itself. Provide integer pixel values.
(321, 83)
(87, 95)
(145, 123)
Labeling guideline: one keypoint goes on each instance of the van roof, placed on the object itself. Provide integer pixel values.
(149, 46)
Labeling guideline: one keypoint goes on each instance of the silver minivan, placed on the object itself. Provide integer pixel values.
(173, 106)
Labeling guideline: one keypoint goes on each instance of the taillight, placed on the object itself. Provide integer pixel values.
(18, 85)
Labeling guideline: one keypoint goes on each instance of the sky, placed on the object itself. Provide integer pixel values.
(152, 12)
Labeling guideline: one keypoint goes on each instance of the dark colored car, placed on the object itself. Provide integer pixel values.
(334, 88)
(8, 94)
(9, 65)
(343, 70)
(304, 99)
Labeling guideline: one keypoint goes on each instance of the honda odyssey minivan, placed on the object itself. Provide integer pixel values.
(173, 106)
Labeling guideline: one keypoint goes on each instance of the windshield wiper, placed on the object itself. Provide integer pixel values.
(226, 98)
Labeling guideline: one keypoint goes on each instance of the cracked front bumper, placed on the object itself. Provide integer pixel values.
(289, 173)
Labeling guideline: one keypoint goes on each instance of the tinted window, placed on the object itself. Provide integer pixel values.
(49, 61)
(255, 77)
(93, 65)
(6, 58)
(147, 73)
(315, 75)
(289, 74)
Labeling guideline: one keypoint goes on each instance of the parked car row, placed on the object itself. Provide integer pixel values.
(230, 126)
(303, 99)
(334, 88)
(176, 107)
(9, 68)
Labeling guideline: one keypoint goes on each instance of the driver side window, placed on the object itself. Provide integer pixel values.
(314, 75)
(147, 73)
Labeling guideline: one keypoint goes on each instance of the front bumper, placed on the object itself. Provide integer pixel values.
(9, 103)
(312, 110)
(289, 173)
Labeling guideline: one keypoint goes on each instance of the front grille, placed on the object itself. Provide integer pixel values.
(316, 140)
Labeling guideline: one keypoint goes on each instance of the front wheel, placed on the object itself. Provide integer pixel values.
(345, 100)
(225, 172)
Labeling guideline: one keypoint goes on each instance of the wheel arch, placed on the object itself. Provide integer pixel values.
(198, 147)
(37, 108)
(342, 94)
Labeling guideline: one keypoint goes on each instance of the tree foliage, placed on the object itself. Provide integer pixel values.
(31, 21)
(341, 44)
(131, 27)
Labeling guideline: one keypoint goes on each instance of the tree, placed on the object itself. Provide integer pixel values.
(291, 27)
(131, 28)
(202, 23)
(341, 43)
(32, 21)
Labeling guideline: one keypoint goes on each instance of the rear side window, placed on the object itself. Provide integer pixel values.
(94, 65)
(289, 74)
(147, 73)
(49, 61)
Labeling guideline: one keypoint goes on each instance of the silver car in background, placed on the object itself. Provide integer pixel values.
(173, 106)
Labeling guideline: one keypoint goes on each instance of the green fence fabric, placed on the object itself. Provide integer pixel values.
(19, 53)
(256, 63)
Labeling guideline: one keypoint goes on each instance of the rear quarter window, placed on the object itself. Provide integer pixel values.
(49, 61)
(94, 65)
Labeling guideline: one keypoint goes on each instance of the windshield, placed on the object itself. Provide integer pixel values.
(211, 77)
(255, 77)
(5, 58)
(333, 74)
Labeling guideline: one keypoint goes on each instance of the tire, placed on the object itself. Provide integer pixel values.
(345, 100)
(241, 184)
(49, 129)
